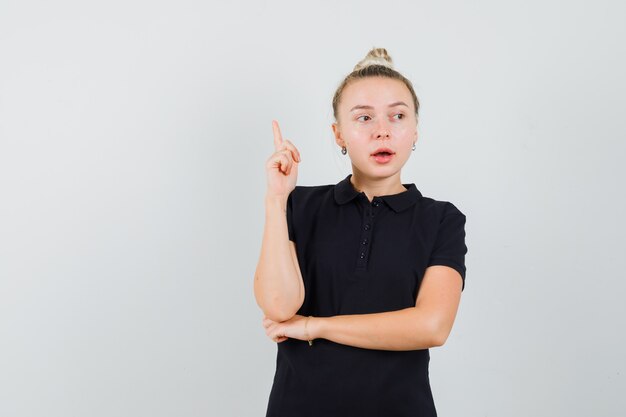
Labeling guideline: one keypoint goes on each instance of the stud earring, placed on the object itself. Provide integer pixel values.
(413, 146)
(344, 150)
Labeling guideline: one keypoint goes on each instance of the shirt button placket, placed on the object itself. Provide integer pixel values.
(366, 235)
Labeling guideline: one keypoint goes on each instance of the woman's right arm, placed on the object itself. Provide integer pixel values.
(278, 284)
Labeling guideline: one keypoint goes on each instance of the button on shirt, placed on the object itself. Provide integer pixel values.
(360, 257)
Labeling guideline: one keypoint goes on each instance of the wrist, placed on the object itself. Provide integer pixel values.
(316, 327)
(278, 200)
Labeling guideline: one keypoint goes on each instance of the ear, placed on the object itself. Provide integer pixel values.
(338, 139)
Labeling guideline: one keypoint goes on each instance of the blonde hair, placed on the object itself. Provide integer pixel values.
(377, 63)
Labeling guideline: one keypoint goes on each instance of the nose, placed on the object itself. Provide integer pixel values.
(382, 131)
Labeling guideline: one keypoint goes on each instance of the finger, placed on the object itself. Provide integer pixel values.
(286, 161)
(278, 339)
(294, 151)
(288, 166)
(278, 138)
(289, 157)
(278, 336)
(278, 160)
(275, 330)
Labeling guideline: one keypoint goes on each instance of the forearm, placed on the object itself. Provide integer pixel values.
(407, 329)
(278, 286)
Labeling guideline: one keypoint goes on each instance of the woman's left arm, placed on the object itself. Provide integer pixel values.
(426, 325)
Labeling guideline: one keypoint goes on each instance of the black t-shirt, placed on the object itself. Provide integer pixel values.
(360, 257)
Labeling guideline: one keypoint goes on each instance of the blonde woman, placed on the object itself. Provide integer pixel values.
(357, 280)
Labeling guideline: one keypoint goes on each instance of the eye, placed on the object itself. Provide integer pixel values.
(398, 116)
(364, 118)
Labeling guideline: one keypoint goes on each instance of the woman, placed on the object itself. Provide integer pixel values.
(358, 280)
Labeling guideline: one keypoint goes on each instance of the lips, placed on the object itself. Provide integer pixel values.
(382, 155)
(383, 152)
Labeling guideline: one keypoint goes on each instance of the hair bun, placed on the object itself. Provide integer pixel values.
(376, 56)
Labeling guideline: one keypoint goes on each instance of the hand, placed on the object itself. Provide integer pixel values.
(292, 328)
(282, 165)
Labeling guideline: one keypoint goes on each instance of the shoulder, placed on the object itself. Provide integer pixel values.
(303, 191)
(306, 203)
(435, 213)
(442, 208)
(306, 195)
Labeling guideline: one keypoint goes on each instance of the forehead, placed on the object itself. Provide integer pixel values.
(375, 91)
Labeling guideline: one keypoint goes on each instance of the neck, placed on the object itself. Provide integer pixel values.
(373, 187)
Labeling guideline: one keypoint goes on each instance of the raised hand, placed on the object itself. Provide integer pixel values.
(282, 165)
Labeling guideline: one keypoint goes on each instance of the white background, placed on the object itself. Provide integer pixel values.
(133, 138)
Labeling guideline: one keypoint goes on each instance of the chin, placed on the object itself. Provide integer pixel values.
(381, 172)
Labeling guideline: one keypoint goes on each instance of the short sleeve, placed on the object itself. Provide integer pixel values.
(290, 217)
(449, 249)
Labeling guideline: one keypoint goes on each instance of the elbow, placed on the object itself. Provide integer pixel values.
(278, 317)
(279, 310)
(277, 305)
(439, 339)
(438, 333)
(279, 314)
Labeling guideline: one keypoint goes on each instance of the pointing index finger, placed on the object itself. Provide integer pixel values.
(278, 139)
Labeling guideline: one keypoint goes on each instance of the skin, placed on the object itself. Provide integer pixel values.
(278, 285)
(369, 116)
(376, 112)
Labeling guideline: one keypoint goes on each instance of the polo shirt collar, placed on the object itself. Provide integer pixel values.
(345, 192)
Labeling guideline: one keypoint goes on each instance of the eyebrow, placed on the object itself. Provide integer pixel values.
(360, 106)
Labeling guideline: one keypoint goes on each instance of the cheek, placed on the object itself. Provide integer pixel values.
(405, 132)
(356, 135)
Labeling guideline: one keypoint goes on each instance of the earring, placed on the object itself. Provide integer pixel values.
(413, 146)
(344, 150)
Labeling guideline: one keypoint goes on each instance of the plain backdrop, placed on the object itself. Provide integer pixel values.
(133, 139)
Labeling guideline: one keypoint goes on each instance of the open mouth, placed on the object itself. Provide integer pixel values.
(383, 155)
(383, 152)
